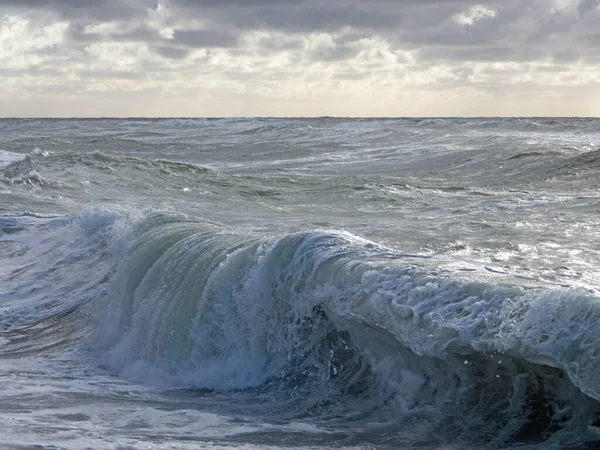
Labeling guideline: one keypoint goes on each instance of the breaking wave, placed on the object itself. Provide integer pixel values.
(343, 326)
(320, 324)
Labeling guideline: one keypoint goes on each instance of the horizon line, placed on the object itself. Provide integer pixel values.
(282, 117)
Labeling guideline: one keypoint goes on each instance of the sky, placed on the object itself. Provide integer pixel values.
(222, 58)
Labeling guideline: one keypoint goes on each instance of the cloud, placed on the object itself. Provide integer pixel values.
(172, 52)
(22, 43)
(383, 52)
(588, 5)
(87, 9)
(474, 14)
(205, 38)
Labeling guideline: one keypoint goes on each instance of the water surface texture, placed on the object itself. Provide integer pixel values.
(316, 283)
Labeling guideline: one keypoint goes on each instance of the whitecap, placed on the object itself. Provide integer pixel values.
(7, 158)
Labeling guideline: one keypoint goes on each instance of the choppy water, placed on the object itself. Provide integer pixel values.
(322, 283)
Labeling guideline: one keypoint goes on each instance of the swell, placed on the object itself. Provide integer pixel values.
(100, 160)
(59, 165)
(586, 161)
(81, 175)
(97, 159)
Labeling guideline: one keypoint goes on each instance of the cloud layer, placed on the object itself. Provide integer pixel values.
(309, 57)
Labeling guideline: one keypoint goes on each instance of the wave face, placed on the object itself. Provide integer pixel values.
(338, 326)
(319, 283)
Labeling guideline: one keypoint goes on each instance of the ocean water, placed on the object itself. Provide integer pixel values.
(310, 284)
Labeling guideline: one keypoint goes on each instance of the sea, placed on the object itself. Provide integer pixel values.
(323, 283)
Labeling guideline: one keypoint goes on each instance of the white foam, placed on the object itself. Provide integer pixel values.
(7, 158)
(59, 263)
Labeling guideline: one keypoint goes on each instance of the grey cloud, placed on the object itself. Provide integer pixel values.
(33, 71)
(307, 15)
(337, 53)
(221, 3)
(109, 74)
(172, 52)
(313, 18)
(205, 38)
(139, 33)
(278, 44)
(587, 5)
(351, 74)
(381, 16)
(241, 76)
(424, 26)
(451, 37)
(552, 69)
(484, 54)
(580, 57)
(87, 9)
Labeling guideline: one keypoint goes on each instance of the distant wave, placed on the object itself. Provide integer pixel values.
(25, 170)
(525, 155)
(235, 122)
(584, 161)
